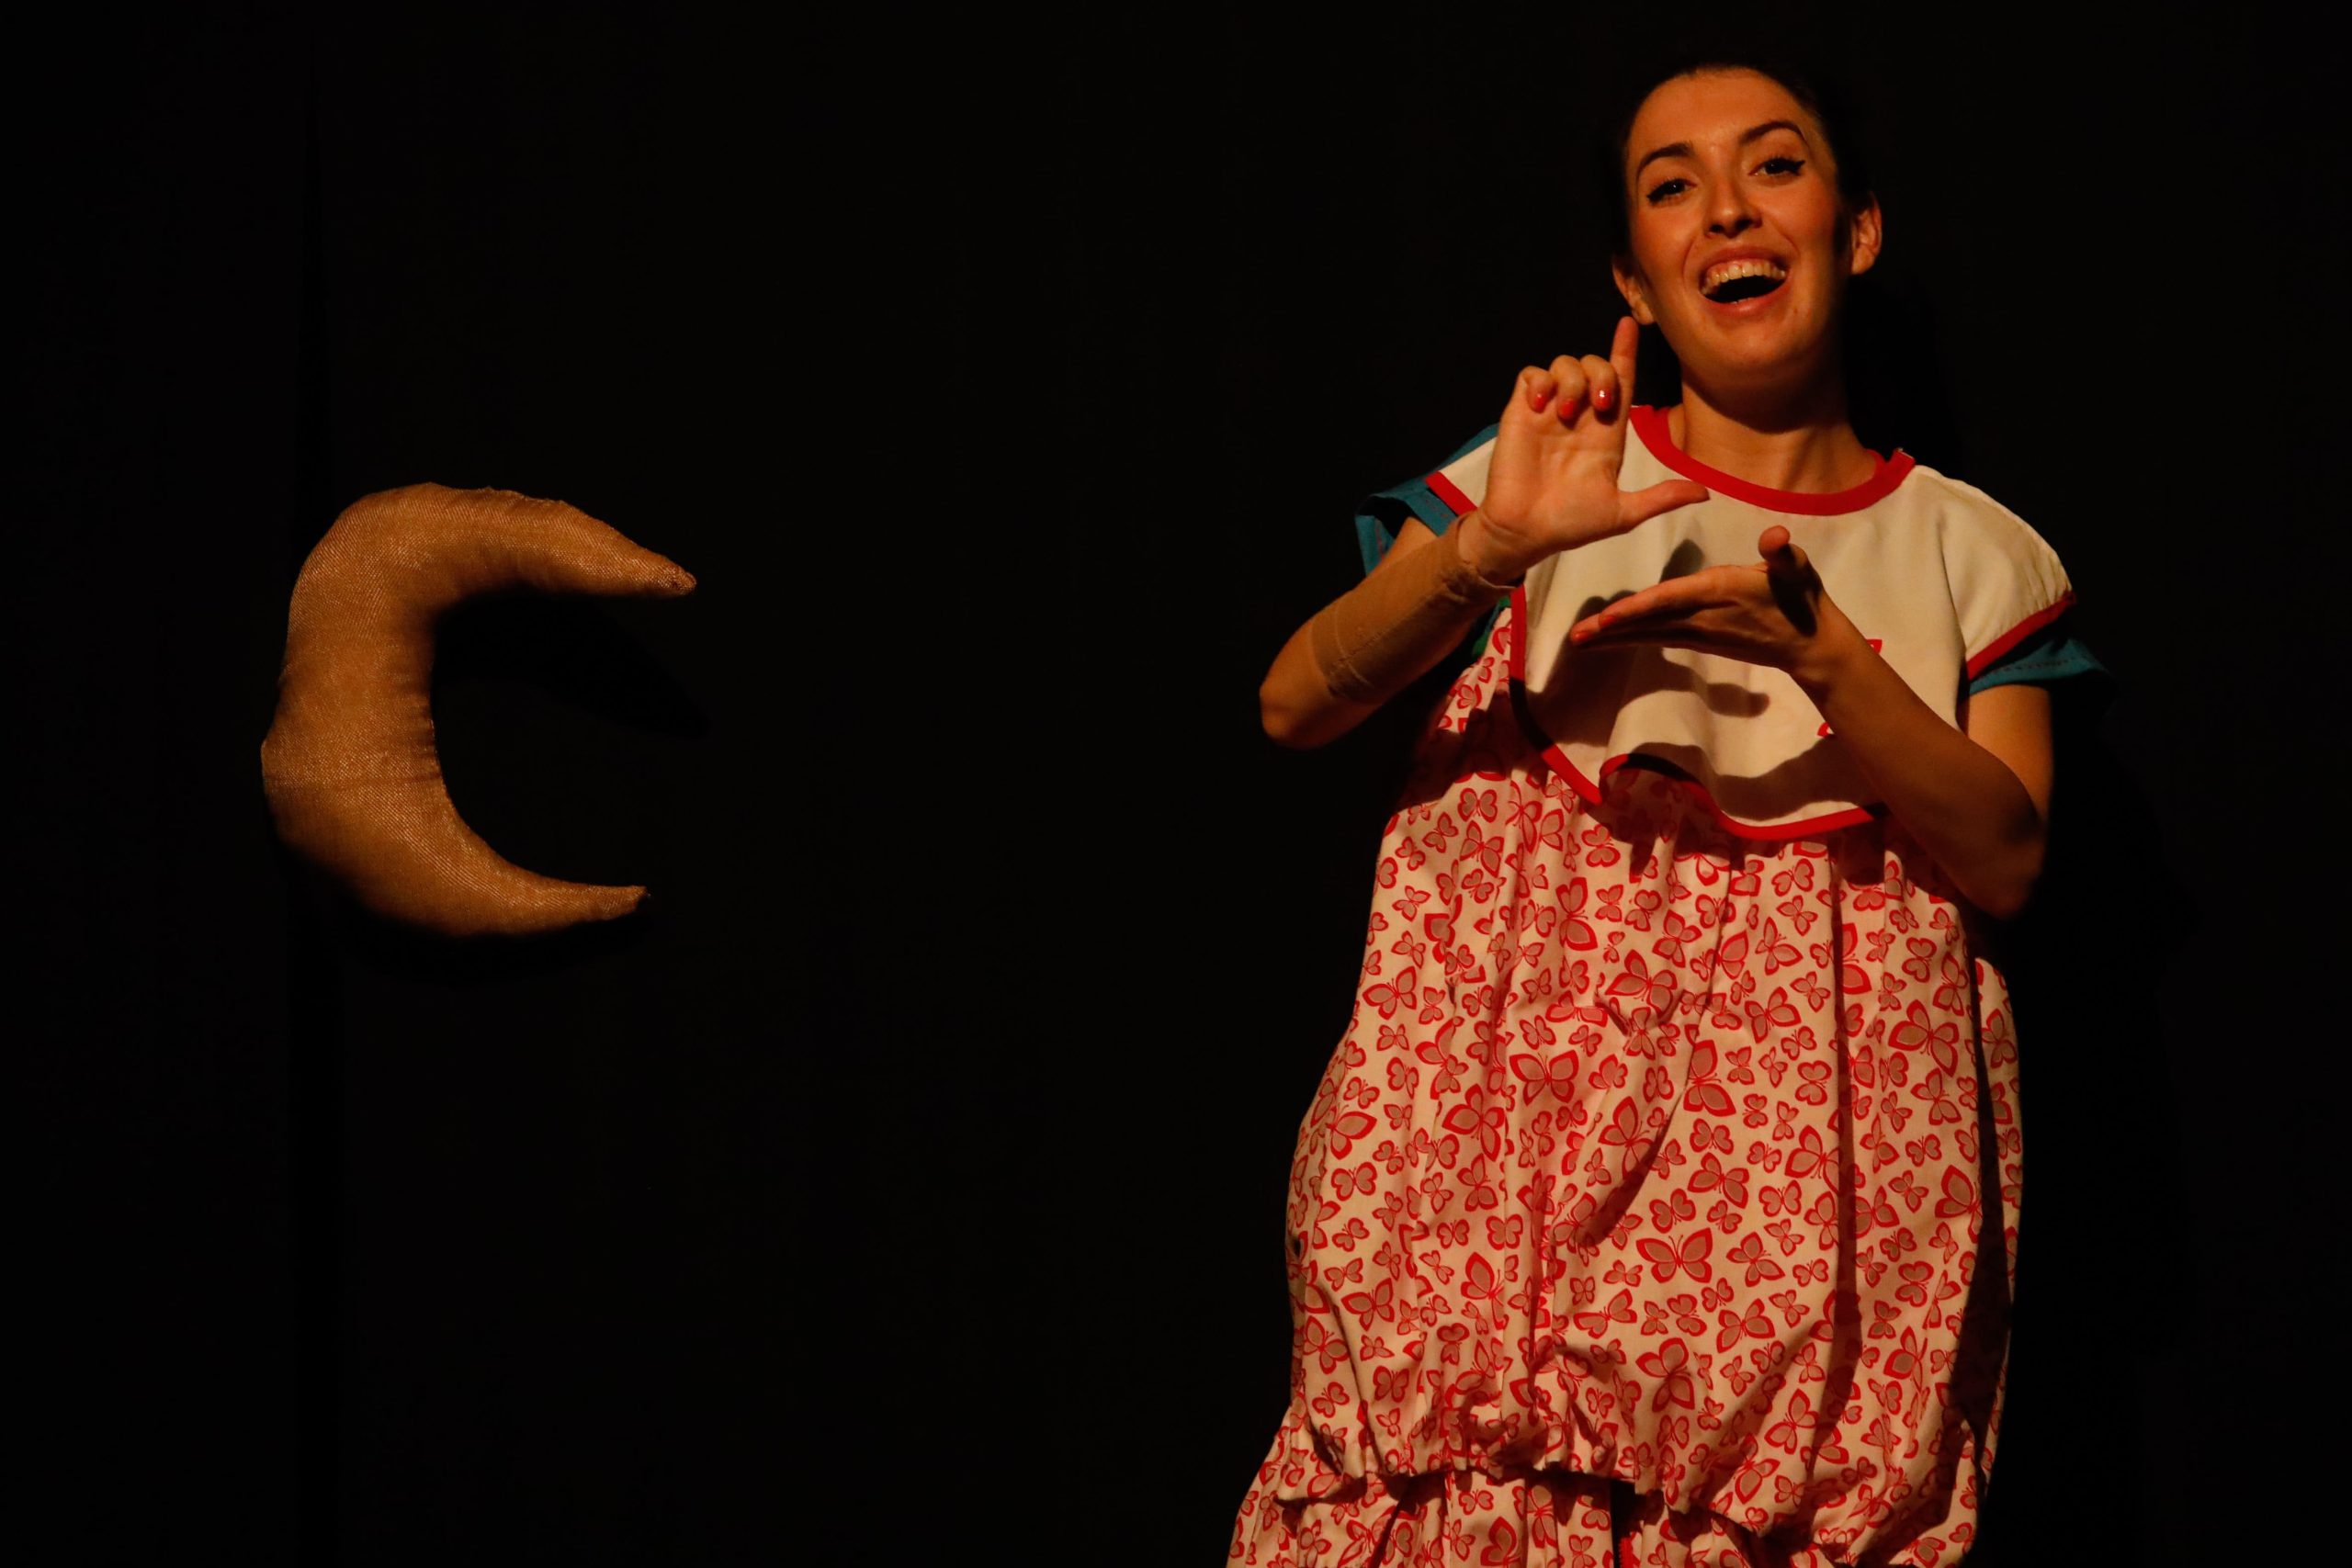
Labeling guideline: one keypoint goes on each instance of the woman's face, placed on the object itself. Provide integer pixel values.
(1740, 254)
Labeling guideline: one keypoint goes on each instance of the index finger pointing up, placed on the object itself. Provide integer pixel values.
(1623, 349)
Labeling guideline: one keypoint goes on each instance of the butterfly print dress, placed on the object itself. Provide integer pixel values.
(1661, 1196)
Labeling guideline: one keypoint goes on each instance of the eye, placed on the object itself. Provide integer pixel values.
(1782, 164)
(1664, 188)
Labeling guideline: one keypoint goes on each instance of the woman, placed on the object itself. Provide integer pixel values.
(1660, 1196)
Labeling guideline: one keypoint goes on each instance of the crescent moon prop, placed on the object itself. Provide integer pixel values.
(349, 765)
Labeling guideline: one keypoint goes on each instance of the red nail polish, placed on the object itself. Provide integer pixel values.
(1541, 401)
(1602, 397)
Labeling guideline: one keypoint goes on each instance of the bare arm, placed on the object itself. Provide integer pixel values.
(1977, 800)
(1295, 701)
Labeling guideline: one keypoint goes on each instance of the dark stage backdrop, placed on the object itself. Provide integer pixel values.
(910, 1176)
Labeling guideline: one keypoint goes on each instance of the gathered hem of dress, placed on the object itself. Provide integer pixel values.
(1544, 1516)
(1515, 1508)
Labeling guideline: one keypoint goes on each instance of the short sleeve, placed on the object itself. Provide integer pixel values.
(2009, 592)
(1381, 513)
(2051, 654)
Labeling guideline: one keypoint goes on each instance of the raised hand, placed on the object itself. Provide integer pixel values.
(1773, 613)
(1553, 485)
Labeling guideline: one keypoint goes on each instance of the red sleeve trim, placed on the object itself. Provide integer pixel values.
(1589, 789)
(1446, 491)
(2017, 633)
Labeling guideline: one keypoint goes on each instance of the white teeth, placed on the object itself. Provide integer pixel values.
(1721, 273)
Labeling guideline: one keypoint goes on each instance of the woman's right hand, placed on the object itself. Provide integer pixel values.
(1552, 484)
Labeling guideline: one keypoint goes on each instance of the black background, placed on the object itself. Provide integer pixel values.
(909, 1175)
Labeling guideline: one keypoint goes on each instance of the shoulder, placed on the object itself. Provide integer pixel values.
(2003, 577)
(1435, 496)
(1970, 517)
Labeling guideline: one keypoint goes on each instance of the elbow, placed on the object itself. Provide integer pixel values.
(2005, 894)
(2005, 902)
(1296, 706)
(1298, 710)
(1285, 725)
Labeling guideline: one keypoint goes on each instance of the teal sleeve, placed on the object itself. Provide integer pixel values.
(1381, 513)
(2053, 653)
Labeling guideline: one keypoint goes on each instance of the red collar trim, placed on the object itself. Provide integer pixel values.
(1650, 424)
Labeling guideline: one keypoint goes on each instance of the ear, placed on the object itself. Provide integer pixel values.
(1629, 284)
(1868, 233)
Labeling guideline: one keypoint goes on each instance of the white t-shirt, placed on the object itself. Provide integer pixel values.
(1941, 578)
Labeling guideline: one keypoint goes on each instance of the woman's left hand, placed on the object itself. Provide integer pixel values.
(1772, 613)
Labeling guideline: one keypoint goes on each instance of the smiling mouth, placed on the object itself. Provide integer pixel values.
(1728, 283)
(1740, 288)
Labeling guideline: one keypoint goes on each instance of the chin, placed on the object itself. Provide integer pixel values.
(1754, 359)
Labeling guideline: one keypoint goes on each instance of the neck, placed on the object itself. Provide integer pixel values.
(1801, 441)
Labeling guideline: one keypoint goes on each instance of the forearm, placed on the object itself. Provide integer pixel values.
(1372, 642)
(1963, 805)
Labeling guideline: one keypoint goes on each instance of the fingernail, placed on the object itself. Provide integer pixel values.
(1541, 400)
(1603, 398)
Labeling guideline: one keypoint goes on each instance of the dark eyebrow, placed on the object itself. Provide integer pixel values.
(1682, 148)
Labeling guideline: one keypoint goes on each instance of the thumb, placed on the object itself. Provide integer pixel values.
(1637, 507)
(1780, 552)
(1790, 576)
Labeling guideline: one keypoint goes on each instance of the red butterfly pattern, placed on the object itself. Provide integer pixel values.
(1504, 1242)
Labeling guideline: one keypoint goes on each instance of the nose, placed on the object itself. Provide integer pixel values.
(1730, 213)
